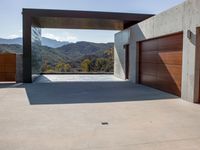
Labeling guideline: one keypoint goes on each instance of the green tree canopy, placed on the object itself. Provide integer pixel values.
(62, 67)
(85, 65)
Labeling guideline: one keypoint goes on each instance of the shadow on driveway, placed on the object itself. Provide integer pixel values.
(90, 92)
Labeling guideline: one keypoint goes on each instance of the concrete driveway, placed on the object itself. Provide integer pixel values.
(95, 116)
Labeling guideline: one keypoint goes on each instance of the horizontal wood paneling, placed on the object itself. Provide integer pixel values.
(149, 69)
(2, 67)
(151, 45)
(7, 67)
(171, 43)
(149, 57)
(149, 80)
(161, 63)
(170, 57)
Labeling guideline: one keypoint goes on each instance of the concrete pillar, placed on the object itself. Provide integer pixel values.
(27, 49)
(19, 68)
(188, 68)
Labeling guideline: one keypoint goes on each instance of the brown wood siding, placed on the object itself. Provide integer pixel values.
(160, 63)
(7, 67)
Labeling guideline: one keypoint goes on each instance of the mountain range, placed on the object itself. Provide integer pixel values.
(69, 53)
(45, 42)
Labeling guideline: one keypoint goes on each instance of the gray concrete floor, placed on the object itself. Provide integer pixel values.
(68, 116)
(47, 78)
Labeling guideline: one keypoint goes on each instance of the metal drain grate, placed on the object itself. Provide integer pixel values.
(104, 123)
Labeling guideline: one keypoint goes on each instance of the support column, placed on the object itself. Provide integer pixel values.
(27, 67)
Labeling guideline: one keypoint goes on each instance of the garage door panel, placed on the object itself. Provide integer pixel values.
(149, 69)
(170, 57)
(149, 57)
(151, 45)
(170, 88)
(172, 43)
(161, 68)
(148, 80)
(168, 80)
(172, 71)
(170, 48)
(168, 85)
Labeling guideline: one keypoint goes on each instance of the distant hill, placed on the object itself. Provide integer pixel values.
(73, 54)
(10, 48)
(11, 41)
(45, 42)
(80, 49)
(53, 43)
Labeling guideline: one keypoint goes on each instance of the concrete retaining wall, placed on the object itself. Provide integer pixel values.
(182, 18)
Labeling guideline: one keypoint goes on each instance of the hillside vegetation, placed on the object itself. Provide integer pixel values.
(73, 57)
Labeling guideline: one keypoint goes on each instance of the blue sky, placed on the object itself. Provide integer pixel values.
(11, 19)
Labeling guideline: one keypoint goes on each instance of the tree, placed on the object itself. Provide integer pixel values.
(85, 65)
(62, 67)
(46, 68)
(66, 67)
(100, 64)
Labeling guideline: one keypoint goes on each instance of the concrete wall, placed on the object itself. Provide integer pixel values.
(19, 68)
(182, 18)
(121, 39)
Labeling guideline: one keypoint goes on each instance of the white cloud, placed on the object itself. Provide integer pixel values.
(51, 36)
(65, 37)
(15, 35)
(12, 36)
(72, 38)
(74, 35)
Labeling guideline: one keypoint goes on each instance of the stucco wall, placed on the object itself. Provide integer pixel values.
(183, 17)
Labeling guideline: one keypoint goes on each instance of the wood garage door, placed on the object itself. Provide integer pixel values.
(7, 67)
(160, 63)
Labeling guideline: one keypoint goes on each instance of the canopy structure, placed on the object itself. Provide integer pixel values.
(35, 19)
(69, 19)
